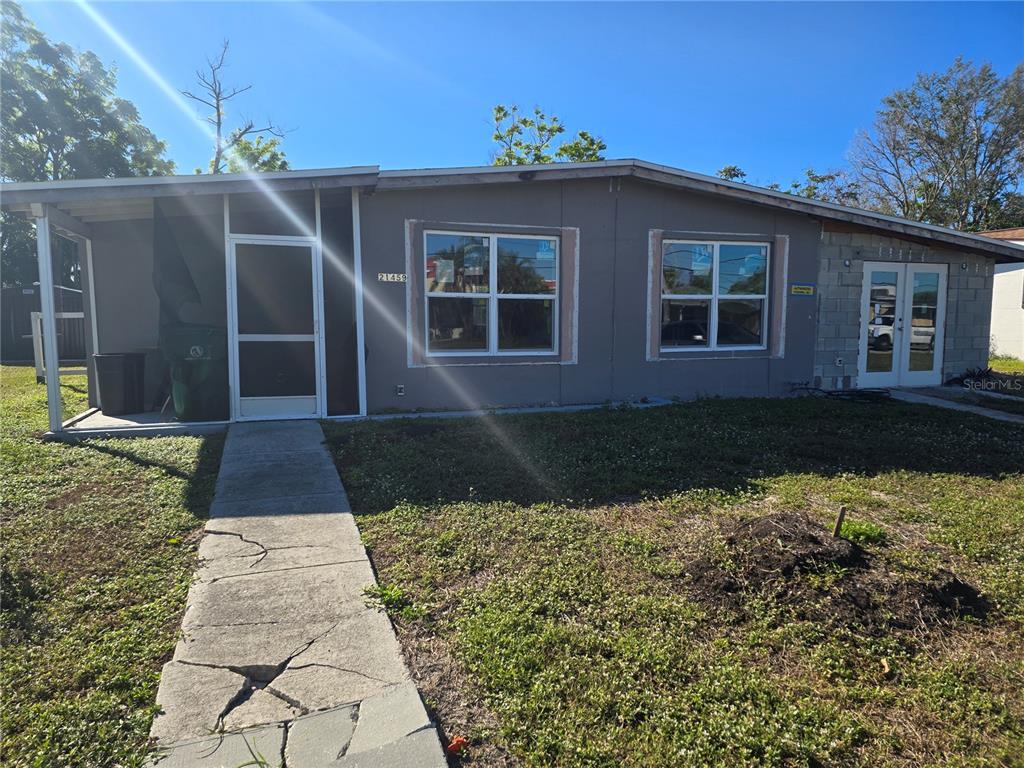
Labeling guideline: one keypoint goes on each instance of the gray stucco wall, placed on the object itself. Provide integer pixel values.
(614, 219)
(968, 303)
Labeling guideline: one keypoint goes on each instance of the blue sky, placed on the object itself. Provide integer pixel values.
(771, 87)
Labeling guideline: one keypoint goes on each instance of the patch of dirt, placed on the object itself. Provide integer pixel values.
(447, 689)
(793, 560)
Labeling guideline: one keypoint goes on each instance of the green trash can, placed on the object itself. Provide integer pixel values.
(197, 358)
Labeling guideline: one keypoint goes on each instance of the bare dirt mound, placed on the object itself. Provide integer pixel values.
(796, 562)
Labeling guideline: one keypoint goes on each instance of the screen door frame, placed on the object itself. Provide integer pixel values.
(273, 408)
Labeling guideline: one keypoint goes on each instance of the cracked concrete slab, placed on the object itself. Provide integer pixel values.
(225, 750)
(388, 716)
(418, 750)
(192, 699)
(320, 738)
(277, 629)
(261, 707)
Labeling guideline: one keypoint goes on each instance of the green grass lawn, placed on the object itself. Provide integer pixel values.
(561, 582)
(1006, 365)
(99, 544)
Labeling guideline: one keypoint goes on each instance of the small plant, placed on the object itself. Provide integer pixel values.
(863, 532)
(393, 599)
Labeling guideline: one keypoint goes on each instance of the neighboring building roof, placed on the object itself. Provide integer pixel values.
(18, 196)
(1010, 233)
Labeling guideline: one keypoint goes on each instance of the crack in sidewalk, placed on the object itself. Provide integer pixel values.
(215, 579)
(344, 669)
(255, 676)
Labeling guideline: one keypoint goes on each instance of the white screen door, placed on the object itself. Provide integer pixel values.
(276, 349)
(902, 325)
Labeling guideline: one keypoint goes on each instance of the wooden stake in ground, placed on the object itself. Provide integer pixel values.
(839, 521)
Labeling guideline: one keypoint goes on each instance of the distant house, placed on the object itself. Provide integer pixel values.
(1008, 300)
(344, 292)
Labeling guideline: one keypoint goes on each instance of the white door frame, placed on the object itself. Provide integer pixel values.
(902, 335)
(313, 244)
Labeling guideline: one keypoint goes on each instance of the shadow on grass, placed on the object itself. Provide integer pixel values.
(622, 454)
(200, 482)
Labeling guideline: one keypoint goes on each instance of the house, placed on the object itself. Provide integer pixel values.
(1008, 300)
(344, 292)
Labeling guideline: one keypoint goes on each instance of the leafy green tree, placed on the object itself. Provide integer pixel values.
(948, 150)
(528, 140)
(232, 148)
(60, 118)
(832, 187)
(731, 173)
(261, 154)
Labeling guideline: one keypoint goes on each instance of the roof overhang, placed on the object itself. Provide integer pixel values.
(95, 200)
(81, 193)
(680, 179)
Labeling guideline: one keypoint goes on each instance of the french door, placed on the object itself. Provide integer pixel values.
(902, 324)
(277, 315)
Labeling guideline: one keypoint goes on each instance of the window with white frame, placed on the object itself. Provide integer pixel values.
(490, 294)
(713, 295)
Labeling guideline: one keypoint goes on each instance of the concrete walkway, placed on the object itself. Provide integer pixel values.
(280, 659)
(923, 399)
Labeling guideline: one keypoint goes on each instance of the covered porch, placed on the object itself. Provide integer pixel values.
(207, 299)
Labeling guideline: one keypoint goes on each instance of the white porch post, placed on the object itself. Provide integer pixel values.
(50, 353)
(357, 269)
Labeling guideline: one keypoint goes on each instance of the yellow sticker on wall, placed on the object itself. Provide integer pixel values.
(801, 289)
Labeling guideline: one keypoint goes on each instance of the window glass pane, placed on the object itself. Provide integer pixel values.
(526, 265)
(742, 268)
(685, 323)
(881, 322)
(739, 322)
(457, 324)
(686, 268)
(275, 288)
(458, 264)
(525, 324)
(276, 368)
(922, 321)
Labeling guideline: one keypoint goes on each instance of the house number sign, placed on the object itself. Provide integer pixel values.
(391, 277)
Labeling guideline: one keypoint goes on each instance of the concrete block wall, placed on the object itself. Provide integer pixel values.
(968, 303)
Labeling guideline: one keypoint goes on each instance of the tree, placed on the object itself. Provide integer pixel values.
(948, 150)
(831, 186)
(526, 140)
(238, 143)
(60, 118)
(260, 155)
(731, 173)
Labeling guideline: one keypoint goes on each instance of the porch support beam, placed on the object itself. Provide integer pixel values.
(357, 268)
(62, 221)
(50, 353)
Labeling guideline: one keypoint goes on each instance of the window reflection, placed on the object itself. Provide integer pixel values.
(881, 322)
(457, 324)
(687, 268)
(525, 324)
(742, 269)
(924, 311)
(457, 264)
(526, 265)
(685, 323)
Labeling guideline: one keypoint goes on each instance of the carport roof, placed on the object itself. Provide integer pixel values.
(79, 196)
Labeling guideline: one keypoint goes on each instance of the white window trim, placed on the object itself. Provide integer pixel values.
(493, 297)
(714, 297)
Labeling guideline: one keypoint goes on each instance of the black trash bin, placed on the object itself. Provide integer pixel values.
(121, 378)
